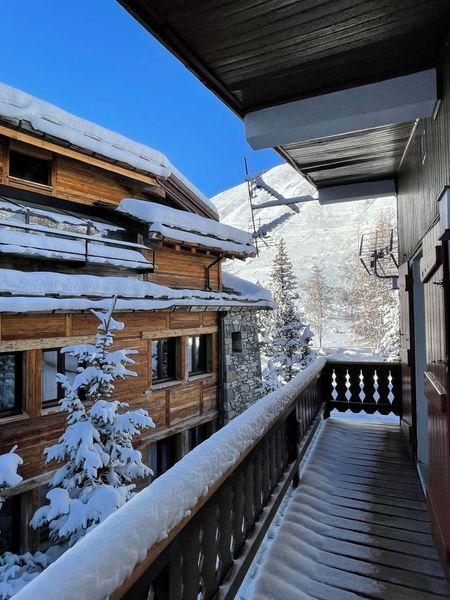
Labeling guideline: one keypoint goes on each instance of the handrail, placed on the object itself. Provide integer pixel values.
(259, 446)
(197, 527)
(88, 251)
(71, 234)
(367, 387)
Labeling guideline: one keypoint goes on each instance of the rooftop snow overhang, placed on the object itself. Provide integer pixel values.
(184, 228)
(36, 292)
(263, 58)
(40, 118)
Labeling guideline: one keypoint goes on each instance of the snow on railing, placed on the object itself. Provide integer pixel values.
(96, 566)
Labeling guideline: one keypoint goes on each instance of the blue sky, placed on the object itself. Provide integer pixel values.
(91, 58)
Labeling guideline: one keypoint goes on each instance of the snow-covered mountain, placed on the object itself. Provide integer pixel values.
(325, 235)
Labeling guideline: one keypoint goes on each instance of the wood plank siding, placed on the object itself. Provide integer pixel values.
(75, 180)
(182, 269)
(422, 178)
(180, 403)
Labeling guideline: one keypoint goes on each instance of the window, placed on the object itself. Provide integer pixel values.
(10, 525)
(10, 383)
(162, 455)
(199, 350)
(53, 362)
(30, 167)
(197, 435)
(236, 341)
(164, 359)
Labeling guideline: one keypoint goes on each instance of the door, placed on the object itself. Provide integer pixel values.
(407, 355)
(420, 361)
(434, 275)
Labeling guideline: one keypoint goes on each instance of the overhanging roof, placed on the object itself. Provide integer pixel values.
(256, 54)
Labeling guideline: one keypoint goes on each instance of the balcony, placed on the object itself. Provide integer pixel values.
(355, 526)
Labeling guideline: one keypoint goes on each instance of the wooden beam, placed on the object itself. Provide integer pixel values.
(42, 343)
(91, 160)
(396, 100)
(154, 335)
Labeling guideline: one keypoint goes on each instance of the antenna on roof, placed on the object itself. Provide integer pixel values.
(251, 196)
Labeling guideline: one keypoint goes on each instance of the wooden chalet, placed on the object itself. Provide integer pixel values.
(87, 215)
(356, 97)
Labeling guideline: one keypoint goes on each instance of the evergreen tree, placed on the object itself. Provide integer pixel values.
(285, 339)
(100, 462)
(317, 303)
(15, 570)
(371, 304)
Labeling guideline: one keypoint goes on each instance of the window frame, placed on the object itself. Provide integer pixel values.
(18, 386)
(174, 352)
(16, 521)
(236, 342)
(208, 354)
(31, 155)
(60, 368)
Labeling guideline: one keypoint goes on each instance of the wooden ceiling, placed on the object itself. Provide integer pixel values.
(258, 53)
(351, 157)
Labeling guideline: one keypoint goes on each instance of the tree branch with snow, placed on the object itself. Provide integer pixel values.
(100, 463)
(285, 338)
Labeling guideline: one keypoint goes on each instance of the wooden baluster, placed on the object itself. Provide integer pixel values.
(354, 389)
(301, 417)
(384, 406)
(238, 509)
(175, 571)
(225, 527)
(257, 488)
(209, 571)
(341, 389)
(191, 548)
(396, 404)
(266, 471)
(273, 460)
(369, 404)
(249, 492)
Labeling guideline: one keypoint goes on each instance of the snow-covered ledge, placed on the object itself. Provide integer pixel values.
(101, 561)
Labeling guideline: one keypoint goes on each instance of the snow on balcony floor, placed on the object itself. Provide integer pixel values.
(356, 527)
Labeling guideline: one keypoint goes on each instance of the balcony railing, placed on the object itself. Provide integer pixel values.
(367, 387)
(42, 242)
(207, 552)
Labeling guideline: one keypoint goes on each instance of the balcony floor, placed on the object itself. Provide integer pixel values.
(356, 527)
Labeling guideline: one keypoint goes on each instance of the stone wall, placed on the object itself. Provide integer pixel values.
(242, 376)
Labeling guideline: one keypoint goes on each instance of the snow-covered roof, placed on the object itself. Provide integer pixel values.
(189, 228)
(23, 292)
(17, 106)
(96, 566)
(247, 289)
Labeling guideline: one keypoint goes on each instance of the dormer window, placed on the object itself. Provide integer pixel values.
(30, 167)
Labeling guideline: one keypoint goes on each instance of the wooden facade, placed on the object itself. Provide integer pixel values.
(423, 177)
(425, 171)
(173, 405)
(186, 408)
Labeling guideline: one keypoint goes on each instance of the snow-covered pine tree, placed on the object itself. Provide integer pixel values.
(285, 338)
(318, 299)
(15, 570)
(100, 461)
(371, 302)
